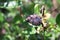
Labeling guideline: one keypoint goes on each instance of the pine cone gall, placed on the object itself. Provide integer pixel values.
(34, 19)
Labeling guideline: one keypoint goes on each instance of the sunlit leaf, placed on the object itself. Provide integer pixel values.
(36, 8)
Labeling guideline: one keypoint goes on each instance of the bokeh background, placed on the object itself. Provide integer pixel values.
(13, 14)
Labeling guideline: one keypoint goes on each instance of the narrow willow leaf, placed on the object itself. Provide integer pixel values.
(36, 8)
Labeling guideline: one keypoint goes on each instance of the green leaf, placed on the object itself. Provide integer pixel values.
(1, 17)
(58, 19)
(58, 1)
(36, 8)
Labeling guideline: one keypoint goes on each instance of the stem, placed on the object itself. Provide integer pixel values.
(43, 13)
(43, 8)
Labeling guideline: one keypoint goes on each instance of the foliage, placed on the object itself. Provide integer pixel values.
(13, 25)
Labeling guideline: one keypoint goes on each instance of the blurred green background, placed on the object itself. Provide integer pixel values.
(13, 14)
